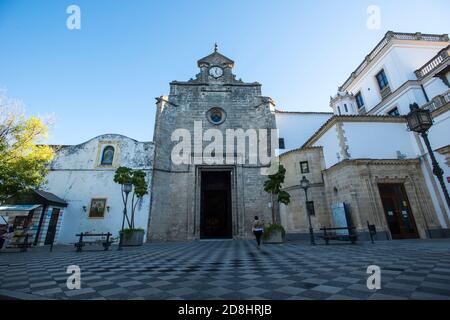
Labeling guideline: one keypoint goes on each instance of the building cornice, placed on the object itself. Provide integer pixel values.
(350, 118)
(302, 112)
(443, 150)
(387, 40)
(300, 150)
(359, 162)
(192, 83)
(340, 96)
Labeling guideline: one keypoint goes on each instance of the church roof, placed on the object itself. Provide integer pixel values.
(216, 58)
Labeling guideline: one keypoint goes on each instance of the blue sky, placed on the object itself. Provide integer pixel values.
(104, 77)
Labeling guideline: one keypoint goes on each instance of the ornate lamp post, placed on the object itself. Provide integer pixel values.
(305, 184)
(420, 121)
(126, 189)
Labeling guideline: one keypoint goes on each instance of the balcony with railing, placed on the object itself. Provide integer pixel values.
(385, 92)
(438, 102)
(439, 60)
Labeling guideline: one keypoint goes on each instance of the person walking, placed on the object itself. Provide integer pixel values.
(258, 229)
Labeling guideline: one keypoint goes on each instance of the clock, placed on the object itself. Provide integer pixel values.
(215, 72)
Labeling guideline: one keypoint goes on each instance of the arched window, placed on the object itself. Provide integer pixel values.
(107, 156)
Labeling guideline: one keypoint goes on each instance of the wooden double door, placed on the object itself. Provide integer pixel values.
(216, 205)
(398, 211)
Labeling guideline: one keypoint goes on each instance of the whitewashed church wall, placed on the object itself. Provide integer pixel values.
(77, 177)
(331, 149)
(78, 189)
(378, 140)
(296, 128)
(128, 152)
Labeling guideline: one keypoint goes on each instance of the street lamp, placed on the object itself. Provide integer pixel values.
(420, 121)
(305, 184)
(126, 189)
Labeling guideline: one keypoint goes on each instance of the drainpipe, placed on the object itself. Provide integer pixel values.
(425, 93)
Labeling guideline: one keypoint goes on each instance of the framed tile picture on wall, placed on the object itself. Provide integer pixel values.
(97, 209)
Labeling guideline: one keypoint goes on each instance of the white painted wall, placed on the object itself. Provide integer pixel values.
(413, 94)
(330, 143)
(435, 87)
(76, 177)
(439, 133)
(297, 127)
(378, 140)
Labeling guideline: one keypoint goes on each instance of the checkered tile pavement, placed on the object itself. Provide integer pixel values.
(416, 269)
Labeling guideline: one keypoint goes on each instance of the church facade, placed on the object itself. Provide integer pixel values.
(216, 137)
(219, 198)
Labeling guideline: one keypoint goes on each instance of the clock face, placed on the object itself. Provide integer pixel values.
(216, 72)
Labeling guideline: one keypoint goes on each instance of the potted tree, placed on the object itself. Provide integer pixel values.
(131, 181)
(275, 232)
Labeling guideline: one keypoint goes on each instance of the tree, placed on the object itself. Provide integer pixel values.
(136, 178)
(23, 162)
(273, 186)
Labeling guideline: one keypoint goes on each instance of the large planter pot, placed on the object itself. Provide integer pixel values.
(275, 237)
(133, 238)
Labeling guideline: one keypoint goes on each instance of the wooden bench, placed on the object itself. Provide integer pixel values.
(22, 245)
(331, 234)
(105, 242)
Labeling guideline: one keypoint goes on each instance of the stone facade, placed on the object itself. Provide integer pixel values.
(354, 182)
(175, 212)
(293, 216)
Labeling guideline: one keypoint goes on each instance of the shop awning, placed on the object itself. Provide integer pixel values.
(17, 210)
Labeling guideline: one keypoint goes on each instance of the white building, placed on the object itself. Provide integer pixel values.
(83, 176)
(368, 125)
(401, 70)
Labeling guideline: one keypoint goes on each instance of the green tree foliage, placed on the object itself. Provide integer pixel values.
(137, 178)
(23, 162)
(273, 186)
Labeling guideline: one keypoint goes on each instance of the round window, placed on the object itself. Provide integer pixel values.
(216, 116)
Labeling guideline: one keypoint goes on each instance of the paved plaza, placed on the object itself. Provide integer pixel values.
(233, 270)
